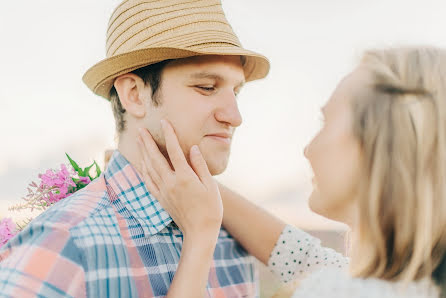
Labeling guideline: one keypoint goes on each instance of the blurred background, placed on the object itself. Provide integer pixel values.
(46, 110)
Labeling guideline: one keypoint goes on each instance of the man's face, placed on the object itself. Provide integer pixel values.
(198, 96)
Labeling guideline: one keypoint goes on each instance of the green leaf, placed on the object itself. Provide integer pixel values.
(87, 170)
(98, 170)
(75, 165)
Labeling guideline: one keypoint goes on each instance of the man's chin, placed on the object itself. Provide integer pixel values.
(217, 168)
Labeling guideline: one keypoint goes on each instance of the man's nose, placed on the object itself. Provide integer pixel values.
(228, 111)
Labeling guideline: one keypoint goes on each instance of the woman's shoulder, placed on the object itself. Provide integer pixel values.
(336, 283)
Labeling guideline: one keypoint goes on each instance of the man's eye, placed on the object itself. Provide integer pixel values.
(206, 88)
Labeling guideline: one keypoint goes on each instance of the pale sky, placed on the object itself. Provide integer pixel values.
(47, 45)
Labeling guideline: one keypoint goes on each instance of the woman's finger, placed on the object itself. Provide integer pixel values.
(199, 165)
(157, 159)
(173, 147)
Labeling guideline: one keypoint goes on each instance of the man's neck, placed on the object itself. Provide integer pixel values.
(128, 147)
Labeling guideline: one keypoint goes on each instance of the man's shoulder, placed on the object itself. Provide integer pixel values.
(49, 244)
(63, 224)
(75, 209)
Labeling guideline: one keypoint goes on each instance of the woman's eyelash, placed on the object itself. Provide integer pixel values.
(321, 119)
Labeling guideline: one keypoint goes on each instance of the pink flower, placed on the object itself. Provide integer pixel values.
(54, 186)
(84, 180)
(7, 230)
(60, 182)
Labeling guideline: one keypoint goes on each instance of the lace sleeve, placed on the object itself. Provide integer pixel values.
(297, 253)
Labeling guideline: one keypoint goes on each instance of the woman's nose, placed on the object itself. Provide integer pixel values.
(306, 151)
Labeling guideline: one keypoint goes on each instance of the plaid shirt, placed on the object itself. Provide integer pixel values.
(112, 239)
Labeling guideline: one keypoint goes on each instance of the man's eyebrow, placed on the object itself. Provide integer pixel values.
(206, 75)
(213, 76)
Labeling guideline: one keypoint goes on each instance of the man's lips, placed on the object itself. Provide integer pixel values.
(221, 137)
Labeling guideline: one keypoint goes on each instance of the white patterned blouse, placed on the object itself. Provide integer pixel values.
(324, 272)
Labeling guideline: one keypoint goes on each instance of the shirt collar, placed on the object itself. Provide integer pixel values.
(131, 190)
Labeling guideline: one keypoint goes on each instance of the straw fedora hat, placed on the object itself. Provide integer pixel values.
(144, 32)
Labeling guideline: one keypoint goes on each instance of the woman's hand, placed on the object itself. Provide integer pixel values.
(189, 194)
(192, 198)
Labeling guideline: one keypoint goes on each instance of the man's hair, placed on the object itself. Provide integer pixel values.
(151, 75)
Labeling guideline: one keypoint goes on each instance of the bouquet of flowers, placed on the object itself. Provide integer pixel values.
(54, 186)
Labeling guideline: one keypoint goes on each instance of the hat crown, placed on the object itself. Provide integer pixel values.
(144, 32)
(187, 24)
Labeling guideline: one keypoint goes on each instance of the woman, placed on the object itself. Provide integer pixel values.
(379, 166)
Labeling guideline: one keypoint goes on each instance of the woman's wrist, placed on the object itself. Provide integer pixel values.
(207, 230)
(193, 268)
(205, 237)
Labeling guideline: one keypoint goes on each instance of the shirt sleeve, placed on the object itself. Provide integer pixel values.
(296, 254)
(41, 261)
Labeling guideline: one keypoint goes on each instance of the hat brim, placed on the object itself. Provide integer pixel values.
(100, 77)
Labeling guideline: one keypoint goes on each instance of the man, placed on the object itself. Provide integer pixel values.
(175, 60)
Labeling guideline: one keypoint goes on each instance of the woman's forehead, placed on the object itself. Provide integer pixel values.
(352, 85)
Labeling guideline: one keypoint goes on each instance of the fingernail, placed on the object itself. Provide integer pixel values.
(195, 150)
(140, 130)
(163, 123)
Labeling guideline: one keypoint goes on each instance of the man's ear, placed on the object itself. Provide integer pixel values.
(130, 89)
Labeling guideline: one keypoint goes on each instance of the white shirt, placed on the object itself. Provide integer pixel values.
(298, 254)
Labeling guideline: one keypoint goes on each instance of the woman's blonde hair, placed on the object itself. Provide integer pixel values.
(400, 122)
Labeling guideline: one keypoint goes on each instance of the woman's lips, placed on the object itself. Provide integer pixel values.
(313, 181)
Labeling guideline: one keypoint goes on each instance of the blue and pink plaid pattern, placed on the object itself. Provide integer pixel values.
(112, 239)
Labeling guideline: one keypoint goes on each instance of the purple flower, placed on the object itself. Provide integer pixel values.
(7, 230)
(84, 180)
(59, 181)
(54, 186)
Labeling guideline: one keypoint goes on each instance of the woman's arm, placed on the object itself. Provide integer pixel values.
(253, 227)
(192, 198)
(193, 269)
(290, 253)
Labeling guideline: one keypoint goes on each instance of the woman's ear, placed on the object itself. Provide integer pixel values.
(130, 89)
